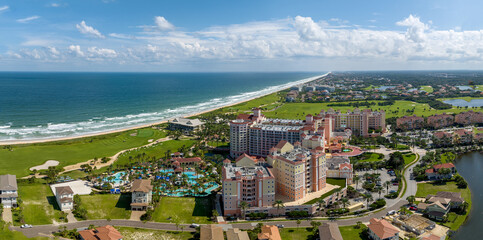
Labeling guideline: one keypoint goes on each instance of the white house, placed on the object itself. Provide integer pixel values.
(8, 191)
(65, 197)
(141, 194)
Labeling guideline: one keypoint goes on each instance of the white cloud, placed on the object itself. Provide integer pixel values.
(27, 19)
(299, 38)
(416, 28)
(4, 8)
(163, 24)
(88, 30)
(55, 5)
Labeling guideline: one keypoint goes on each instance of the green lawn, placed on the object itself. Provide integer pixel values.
(70, 152)
(371, 157)
(455, 221)
(333, 181)
(478, 130)
(428, 89)
(5, 233)
(157, 150)
(447, 157)
(408, 158)
(183, 209)
(349, 232)
(265, 103)
(370, 87)
(479, 87)
(398, 109)
(150, 234)
(76, 174)
(103, 206)
(296, 233)
(39, 204)
(401, 147)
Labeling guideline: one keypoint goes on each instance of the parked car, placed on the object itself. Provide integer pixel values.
(280, 225)
(392, 212)
(194, 225)
(413, 208)
(395, 184)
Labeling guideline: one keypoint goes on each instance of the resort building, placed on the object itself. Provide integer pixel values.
(185, 125)
(141, 194)
(470, 117)
(410, 122)
(239, 131)
(340, 167)
(437, 171)
(269, 232)
(246, 181)
(107, 232)
(440, 120)
(329, 231)
(380, 229)
(65, 198)
(297, 170)
(211, 232)
(358, 121)
(8, 191)
(236, 234)
(180, 162)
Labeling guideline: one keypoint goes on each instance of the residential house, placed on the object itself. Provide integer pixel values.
(436, 211)
(462, 136)
(8, 191)
(329, 231)
(107, 232)
(236, 234)
(269, 232)
(380, 229)
(211, 232)
(434, 173)
(141, 194)
(455, 199)
(185, 125)
(65, 198)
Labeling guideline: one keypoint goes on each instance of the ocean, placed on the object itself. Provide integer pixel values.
(41, 105)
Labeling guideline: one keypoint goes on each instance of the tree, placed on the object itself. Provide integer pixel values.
(278, 204)
(344, 201)
(243, 206)
(358, 225)
(298, 222)
(214, 214)
(315, 225)
(411, 199)
(320, 204)
(387, 184)
(356, 179)
(379, 190)
(368, 198)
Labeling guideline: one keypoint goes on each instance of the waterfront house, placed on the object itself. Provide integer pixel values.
(329, 231)
(380, 229)
(269, 232)
(65, 198)
(8, 191)
(141, 194)
(211, 232)
(185, 125)
(436, 172)
(436, 211)
(455, 199)
(107, 232)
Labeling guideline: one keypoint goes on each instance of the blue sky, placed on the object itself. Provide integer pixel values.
(114, 35)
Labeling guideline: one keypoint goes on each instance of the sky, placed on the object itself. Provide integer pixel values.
(267, 35)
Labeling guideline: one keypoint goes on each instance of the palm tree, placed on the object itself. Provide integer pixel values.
(368, 198)
(243, 206)
(379, 190)
(321, 204)
(298, 222)
(278, 204)
(387, 184)
(411, 199)
(356, 179)
(344, 202)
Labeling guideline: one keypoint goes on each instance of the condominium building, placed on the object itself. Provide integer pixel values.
(410, 122)
(360, 122)
(298, 170)
(239, 129)
(469, 117)
(440, 120)
(248, 180)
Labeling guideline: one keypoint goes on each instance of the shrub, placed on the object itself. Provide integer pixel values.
(298, 214)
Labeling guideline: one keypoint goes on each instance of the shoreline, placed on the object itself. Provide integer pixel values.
(56, 139)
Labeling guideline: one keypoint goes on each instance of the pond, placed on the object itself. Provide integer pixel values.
(384, 88)
(464, 88)
(470, 166)
(464, 103)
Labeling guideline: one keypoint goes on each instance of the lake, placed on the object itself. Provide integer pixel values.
(464, 88)
(464, 103)
(470, 166)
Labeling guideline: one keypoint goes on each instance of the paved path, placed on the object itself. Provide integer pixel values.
(7, 215)
(71, 218)
(136, 215)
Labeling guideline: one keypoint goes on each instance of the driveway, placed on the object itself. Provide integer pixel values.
(7, 215)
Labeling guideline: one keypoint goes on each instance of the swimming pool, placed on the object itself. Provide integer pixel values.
(118, 178)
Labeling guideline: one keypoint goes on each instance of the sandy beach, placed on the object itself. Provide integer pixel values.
(27, 141)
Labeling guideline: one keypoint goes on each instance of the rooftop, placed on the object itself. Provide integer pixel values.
(141, 185)
(8, 182)
(245, 171)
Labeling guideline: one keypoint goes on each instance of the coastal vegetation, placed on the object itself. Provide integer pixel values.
(151, 234)
(107, 206)
(183, 210)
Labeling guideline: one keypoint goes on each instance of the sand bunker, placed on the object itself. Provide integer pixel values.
(46, 165)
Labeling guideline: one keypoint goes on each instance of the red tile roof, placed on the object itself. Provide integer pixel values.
(101, 233)
(382, 228)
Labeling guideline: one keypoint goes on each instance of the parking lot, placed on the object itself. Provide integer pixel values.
(384, 176)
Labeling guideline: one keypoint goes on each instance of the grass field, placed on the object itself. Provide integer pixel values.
(296, 233)
(333, 181)
(408, 158)
(156, 150)
(183, 210)
(399, 109)
(103, 206)
(68, 152)
(39, 204)
(76, 174)
(478, 130)
(447, 157)
(5, 233)
(265, 103)
(401, 147)
(150, 234)
(455, 221)
(371, 157)
(349, 232)
(427, 89)
(479, 87)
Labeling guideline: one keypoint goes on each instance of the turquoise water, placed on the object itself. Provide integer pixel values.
(48, 105)
(118, 178)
